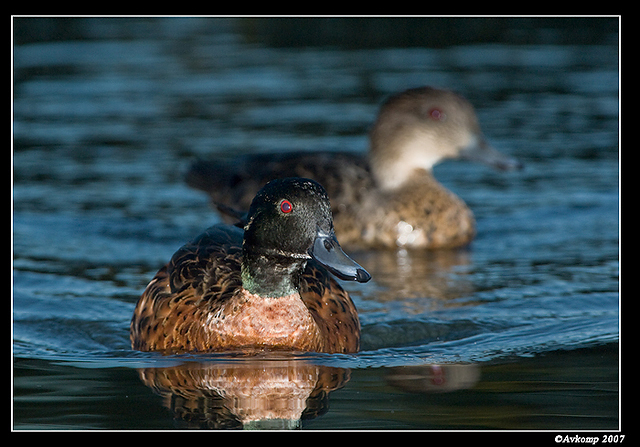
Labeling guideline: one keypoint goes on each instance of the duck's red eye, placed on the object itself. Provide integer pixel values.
(286, 206)
(436, 114)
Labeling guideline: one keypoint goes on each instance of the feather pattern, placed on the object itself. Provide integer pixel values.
(197, 303)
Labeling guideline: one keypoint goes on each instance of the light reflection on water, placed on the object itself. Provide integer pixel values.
(104, 128)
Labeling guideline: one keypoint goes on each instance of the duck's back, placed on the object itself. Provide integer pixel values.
(186, 294)
(234, 183)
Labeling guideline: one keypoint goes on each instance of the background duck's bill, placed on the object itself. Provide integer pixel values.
(483, 152)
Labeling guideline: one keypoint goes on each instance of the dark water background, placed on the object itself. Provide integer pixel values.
(518, 331)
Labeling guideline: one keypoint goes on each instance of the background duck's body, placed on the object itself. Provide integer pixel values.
(421, 213)
(389, 197)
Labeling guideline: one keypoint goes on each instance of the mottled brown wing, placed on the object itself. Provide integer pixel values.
(332, 308)
(170, 314)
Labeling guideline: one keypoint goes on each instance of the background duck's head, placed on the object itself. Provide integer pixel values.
(290, 222)
(419, 127)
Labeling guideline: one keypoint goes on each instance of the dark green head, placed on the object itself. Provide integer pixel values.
(290, 222)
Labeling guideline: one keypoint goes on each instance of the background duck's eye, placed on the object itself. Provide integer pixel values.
(286, 206)
(436, 114)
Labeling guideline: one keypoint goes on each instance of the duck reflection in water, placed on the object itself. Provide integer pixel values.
(278, 393)
(429, 279)
(245, 394)
(434, 378)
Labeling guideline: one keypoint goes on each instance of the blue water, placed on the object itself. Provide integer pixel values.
(520, 324)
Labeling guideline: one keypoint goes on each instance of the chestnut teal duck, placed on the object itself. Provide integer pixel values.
(265, 287)
(389, 197)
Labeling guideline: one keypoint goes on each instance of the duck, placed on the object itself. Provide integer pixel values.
(266, 286)
(387, 198)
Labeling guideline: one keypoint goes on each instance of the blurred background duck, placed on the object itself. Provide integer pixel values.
(389, 197)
